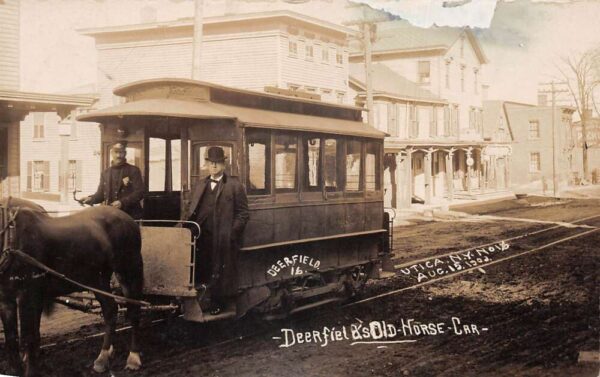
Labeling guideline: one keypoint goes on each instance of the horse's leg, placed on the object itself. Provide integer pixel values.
(30, 313)
(8, 313)
(109, 312)
(133, 290)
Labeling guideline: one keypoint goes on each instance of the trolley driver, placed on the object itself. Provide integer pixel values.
(121, 185)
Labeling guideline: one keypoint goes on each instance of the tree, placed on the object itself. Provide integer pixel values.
(582, 77)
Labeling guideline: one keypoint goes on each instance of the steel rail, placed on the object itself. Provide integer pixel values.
(527, 234)
(458, 273)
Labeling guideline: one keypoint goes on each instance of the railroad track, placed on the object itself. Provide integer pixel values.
(504, 250)
(424, 271)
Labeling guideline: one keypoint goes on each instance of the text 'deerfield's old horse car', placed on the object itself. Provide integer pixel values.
(312, 173)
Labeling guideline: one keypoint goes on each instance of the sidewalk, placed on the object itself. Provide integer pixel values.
(444, 210)
(581, 192)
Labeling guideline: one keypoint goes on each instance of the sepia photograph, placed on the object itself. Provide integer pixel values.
(300, 188)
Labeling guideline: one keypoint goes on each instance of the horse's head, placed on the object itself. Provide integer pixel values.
(9, 208)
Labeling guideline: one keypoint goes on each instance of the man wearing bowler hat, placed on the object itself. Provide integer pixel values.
(121, 185)
(219, 204)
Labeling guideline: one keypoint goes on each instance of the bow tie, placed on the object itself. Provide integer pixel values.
(214, 180)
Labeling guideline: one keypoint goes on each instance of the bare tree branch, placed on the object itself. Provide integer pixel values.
(582, 76)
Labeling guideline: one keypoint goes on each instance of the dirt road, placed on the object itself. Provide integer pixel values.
(526, 316)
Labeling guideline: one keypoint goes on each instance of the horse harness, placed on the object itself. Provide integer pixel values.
(7, 236)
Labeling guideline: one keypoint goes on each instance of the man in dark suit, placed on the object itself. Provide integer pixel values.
(219, 204)
(121, 185)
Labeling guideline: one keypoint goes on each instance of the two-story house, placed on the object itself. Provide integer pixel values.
(266, 51)
(433, 111)
(63, 155)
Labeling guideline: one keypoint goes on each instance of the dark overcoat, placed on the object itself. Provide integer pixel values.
(230, 218)
(128, 188)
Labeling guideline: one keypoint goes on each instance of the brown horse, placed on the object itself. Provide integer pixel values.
(88, 247)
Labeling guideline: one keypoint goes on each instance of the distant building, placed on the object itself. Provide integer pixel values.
(428, 95)
(592, 131)
(277, 50)
(449, 62)
(536, 157)
(51, 142)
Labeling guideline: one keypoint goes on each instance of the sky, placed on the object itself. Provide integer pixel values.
(523, 40)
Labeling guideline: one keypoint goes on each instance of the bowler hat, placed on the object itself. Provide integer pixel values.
(215, 154)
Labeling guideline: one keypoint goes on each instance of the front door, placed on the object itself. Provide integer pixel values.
(3, 162)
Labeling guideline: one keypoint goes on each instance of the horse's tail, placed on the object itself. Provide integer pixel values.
(132, 265)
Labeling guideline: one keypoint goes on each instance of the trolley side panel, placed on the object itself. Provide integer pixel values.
(167, 261)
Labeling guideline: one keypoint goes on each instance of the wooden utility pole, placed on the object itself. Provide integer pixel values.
(197, 39)
(367, 38)
(367, 21)
(553, 91)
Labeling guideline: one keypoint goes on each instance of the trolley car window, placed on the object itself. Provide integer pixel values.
(372, 164)
(258, 145)
(331, 153)
(156, 164)
(286, 157)
(353, 165)
(199, 153)
(312, 164)
(176, 164)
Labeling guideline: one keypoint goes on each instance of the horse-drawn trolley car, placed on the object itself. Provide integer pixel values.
(313, 176)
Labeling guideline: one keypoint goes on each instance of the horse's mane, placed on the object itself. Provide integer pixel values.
(21, 203)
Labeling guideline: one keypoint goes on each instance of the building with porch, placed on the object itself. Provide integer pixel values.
(428, 96)
(15, 105)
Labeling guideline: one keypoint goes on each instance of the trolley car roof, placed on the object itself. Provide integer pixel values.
(191, 107)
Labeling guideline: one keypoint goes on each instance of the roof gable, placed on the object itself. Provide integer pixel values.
(394, 37)
(388, 82)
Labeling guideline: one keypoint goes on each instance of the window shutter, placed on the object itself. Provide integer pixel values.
(392, 119)
(29, 174)
(78, 172)
(433, 122)
(46, 176)
(471, 119)
(417, 125)
(456, 120)
(447, 121)
(61, 177)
